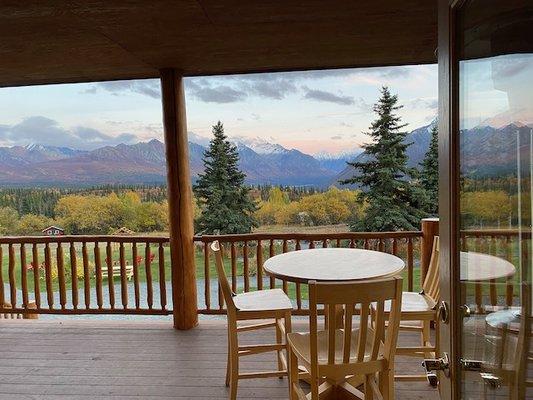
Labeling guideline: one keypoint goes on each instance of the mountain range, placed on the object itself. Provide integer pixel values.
(486, 150)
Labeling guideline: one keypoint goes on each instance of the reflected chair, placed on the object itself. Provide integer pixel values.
(422, 307)
(340, 359)
(508, 354)
(272, 304)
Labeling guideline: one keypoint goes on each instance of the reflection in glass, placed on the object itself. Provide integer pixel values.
(495, 149)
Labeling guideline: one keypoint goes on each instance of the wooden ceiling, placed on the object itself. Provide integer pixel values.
(54, 41)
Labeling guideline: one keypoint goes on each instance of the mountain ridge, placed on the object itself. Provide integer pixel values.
(263, 162)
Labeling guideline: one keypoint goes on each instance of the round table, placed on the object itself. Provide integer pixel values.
(335, 264)
(477, 267)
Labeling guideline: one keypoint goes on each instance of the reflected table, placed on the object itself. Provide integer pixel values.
(478, 267)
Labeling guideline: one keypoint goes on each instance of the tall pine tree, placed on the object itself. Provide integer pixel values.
(393, 201)
(226, 206)
(429, 177)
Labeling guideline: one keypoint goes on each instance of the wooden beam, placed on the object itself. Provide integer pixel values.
(180, 200)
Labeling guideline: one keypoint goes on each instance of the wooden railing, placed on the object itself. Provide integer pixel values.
(503, 243)
(71, 275)
(245, 254)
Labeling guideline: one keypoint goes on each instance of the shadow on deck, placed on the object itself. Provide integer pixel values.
(116, 360)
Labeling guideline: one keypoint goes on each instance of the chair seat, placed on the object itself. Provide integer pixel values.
(300, 342)
(263, 300)
(413, 302)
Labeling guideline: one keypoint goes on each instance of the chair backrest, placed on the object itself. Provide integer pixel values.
(431, 286)
(375, 345)
(222, 279)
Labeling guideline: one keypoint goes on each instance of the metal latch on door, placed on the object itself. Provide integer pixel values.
(436, 364)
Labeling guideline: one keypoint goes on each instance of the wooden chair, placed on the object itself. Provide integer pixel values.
(340, 359)
(422, 307)
(264, 304)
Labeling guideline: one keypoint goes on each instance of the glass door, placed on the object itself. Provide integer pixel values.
(494, 129)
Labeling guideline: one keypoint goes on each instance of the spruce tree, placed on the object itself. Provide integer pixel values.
(393, 201)
(226, 206)
(429, 177)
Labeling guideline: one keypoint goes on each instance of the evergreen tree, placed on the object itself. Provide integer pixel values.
(223, 198)
(393, 202)
(429, 177)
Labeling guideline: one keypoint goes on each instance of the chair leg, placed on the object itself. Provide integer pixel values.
(386, 384)
(437, 337)
(426, 336)
(228, 363)
(279, 341)
(234, 364)
(293, 374)
(369, 392)
(288, 329)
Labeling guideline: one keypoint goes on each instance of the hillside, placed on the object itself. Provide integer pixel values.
(486, 151)
(145, 163)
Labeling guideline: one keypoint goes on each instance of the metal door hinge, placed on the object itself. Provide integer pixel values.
(471, 365)
(437, 364)
(492, 381)
(465, 311)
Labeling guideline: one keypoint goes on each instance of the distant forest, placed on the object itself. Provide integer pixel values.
(43, 201)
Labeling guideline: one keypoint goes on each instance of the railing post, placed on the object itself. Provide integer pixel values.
(184, 293)
(430, 229)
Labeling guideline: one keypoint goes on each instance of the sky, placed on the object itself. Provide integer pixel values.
(316, 111)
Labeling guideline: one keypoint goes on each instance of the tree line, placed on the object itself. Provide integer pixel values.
(393, 196)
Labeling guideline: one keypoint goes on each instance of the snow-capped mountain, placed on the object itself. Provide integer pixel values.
(336, 162)
(260, 145)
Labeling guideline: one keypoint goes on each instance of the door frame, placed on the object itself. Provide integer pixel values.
(450, 332)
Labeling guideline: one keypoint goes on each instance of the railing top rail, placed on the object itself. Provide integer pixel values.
(308, 236)
(82, 238)
(493, 232)
(247, 236)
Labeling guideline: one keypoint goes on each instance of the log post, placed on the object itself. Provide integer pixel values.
(430, 229)
(184, 294)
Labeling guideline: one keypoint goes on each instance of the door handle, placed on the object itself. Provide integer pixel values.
(443, 312)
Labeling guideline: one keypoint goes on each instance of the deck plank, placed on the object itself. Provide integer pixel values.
(116, 360)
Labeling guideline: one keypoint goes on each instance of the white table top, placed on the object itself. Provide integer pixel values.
(483, 267)
(334, 264)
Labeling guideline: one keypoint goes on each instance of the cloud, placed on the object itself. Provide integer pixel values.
(255, 116)
(146, 87)
(423, 103)
(510, 66)
(277, 86)
(217, 94)
(322, 95)
(336, 137)
(46, 131)
(235, 88)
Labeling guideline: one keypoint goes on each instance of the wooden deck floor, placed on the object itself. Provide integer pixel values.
(104, 360)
